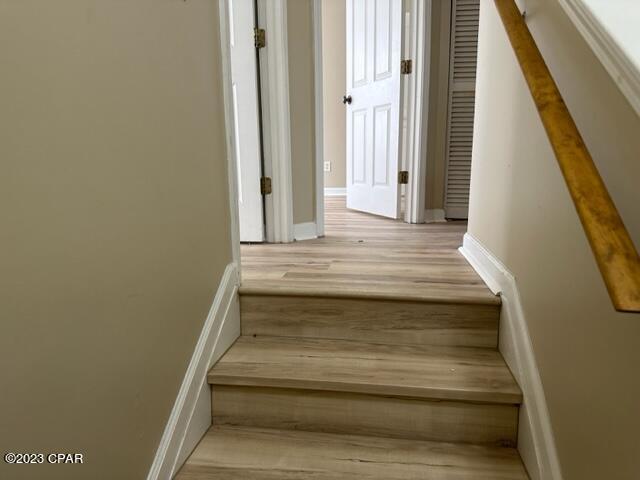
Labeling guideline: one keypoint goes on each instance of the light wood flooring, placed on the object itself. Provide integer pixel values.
(369, 354)
(297, 455)
(364, 253)
(479, 373)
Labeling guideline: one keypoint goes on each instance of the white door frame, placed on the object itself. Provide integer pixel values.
(274, 77)
(274, 70)
(319, 118)
(232, 171)
(274, 80)
(414, 143)
(244, 104)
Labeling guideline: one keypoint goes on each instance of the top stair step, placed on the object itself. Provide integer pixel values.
(287, 313)
(458, 293)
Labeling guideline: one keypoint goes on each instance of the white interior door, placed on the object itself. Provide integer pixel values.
(244, 91)
(374, 35)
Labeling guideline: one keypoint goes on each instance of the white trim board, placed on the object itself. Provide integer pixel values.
(232, 170)
(536, 442)
(616, 61)
(319, 118)
(190, 416)
(415, 87)
(305, 231)
(335, 191)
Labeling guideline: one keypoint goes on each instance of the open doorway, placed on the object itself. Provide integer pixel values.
(363, 59)
(377, 63)
(368, 100)
(267, 48)
(436, 111)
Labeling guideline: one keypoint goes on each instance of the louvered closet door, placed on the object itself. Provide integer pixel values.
(462, 81)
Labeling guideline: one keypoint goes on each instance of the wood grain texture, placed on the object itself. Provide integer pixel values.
(359, 414)
(365, 256)
(245, 453)
(615, 253)
(434, 372)
(434, 293)
(358, 350)
(373, 321)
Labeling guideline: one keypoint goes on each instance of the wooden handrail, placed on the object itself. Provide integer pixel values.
(610, 242)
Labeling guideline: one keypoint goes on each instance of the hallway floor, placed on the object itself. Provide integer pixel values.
(364, 254)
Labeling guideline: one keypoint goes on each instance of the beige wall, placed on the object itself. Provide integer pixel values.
(438, 104)
(587, 354)
(114, 212)
(334, 64)
(302, 107)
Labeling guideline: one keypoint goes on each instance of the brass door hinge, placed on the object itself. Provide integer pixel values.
(403, 177)
(265, 185)
(259, 37)
(406, 67)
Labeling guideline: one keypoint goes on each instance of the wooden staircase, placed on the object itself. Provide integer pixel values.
(354, 386)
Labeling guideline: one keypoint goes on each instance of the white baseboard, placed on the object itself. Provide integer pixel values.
(335, 191)
(305, 231)
(457, 213)
(490, 269)
(536, 443)
(190, 417)
(435, 215)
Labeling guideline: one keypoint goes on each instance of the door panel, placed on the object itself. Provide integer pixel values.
(359, 164)
(359, 42)
(374, 29)
(244, 88)
(383, 38)
(381, 138)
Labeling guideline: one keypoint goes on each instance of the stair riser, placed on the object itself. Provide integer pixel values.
(356, 414)
(375, 321)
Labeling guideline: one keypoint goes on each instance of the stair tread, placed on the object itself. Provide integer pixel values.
(434, 372)
(234, 453)
(419, 292)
